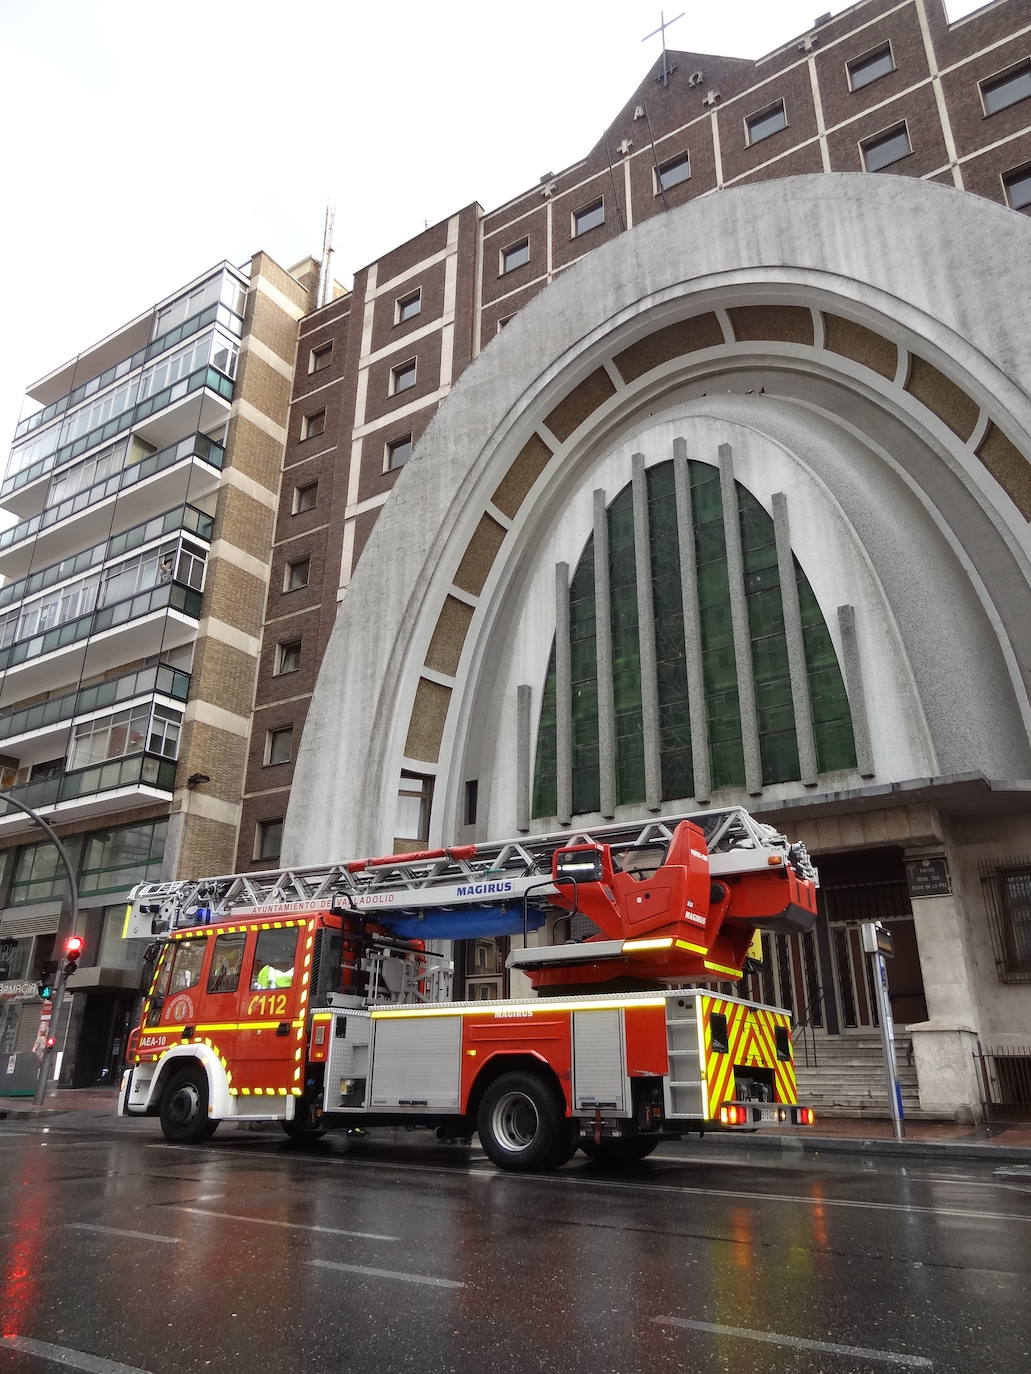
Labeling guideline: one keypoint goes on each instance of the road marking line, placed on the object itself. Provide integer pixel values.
(570, 1180)
(114, 1231)
(74, 1359)
(386, 1274)
(772, 1338)
(289, 1225)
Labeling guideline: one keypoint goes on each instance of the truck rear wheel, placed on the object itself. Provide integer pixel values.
(522, 1125)
(184, 1108)
(619, 1151)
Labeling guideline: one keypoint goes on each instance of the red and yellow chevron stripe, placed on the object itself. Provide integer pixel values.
(751, 1041)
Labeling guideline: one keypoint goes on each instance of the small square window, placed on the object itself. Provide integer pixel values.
(886, 148)
(863, 70)
(506, 319)
(398, 452)
(288, 656)
(515, 256)
(320, 357)
(408, 307)
(1018, 188)
(672, 172)
(279, 745)
(1003, 91)
(268, 839)
(305, 498)
(296, 575)
(313, 424)
(766, 122)
(589, 217)
(402, 377)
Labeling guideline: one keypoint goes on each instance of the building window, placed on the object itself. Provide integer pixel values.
(505, 319)
(296, 575)
(279, 745)
(886, 148)
(589, 217)
(414, 798)
(514, 256)
(398, 452)
(268, 839)
(863, 70)
(766, 122)
(1002, 91)
(472, 792)
(408, 307)
(672, 172)
(313, 424)
(320, 357)
(403, 376)
(288, 657)
(1017, 185)
(39, 875)
(115, 859)
(305, 497)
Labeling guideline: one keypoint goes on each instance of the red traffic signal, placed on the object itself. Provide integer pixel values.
(72, 953)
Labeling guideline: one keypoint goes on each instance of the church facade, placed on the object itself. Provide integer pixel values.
(735, 511)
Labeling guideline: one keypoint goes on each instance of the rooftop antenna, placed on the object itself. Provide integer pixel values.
(664, 24)
(325, 288)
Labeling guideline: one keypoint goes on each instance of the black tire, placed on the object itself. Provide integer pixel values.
(184, 1108)
(617, 1152)
(302, 1132)
(522, 1124)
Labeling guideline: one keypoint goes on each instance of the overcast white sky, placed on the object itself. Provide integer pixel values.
(145, 141)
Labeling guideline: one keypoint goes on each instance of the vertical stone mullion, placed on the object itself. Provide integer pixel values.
(739, 623)
(692, 624)
(603, 658)
(852, 671)
(563, 698)
(646, 638)
(523, 731)
(801, 703)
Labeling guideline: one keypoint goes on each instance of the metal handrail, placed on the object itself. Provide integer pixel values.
(807, 1027)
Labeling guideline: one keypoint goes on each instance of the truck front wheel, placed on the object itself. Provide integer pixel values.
(184, 1108)
(522, 1124)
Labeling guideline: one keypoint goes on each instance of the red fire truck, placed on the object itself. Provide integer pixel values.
(314, 997)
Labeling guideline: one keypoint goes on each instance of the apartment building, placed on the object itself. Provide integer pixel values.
(143, 485)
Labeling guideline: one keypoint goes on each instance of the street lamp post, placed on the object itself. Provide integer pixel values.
(73, 899)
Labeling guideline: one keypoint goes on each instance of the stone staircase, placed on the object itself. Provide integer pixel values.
(845, 1076)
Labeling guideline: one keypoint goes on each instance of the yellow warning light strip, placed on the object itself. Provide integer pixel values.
(219, 1026)
(722, 968)
(695, 949)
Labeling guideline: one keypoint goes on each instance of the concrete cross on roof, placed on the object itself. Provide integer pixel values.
(711, 98)
(624, 148)
(808, 43)
(664, 24)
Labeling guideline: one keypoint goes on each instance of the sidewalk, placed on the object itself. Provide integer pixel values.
(1004, 1144)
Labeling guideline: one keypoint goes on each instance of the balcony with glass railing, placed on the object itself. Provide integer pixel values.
(203, 369)
(215, 313)
(48, 720)
(136, 483)
(113, 785)
(179, 518)
(145, 607)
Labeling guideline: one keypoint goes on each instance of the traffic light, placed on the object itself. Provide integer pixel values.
(47, 974)
(72, 953)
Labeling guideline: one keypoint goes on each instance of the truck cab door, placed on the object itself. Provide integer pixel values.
(270, 1028)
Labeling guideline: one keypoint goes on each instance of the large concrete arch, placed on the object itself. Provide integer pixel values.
(855, 338)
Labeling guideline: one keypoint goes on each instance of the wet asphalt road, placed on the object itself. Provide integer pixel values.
(121, 1253)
